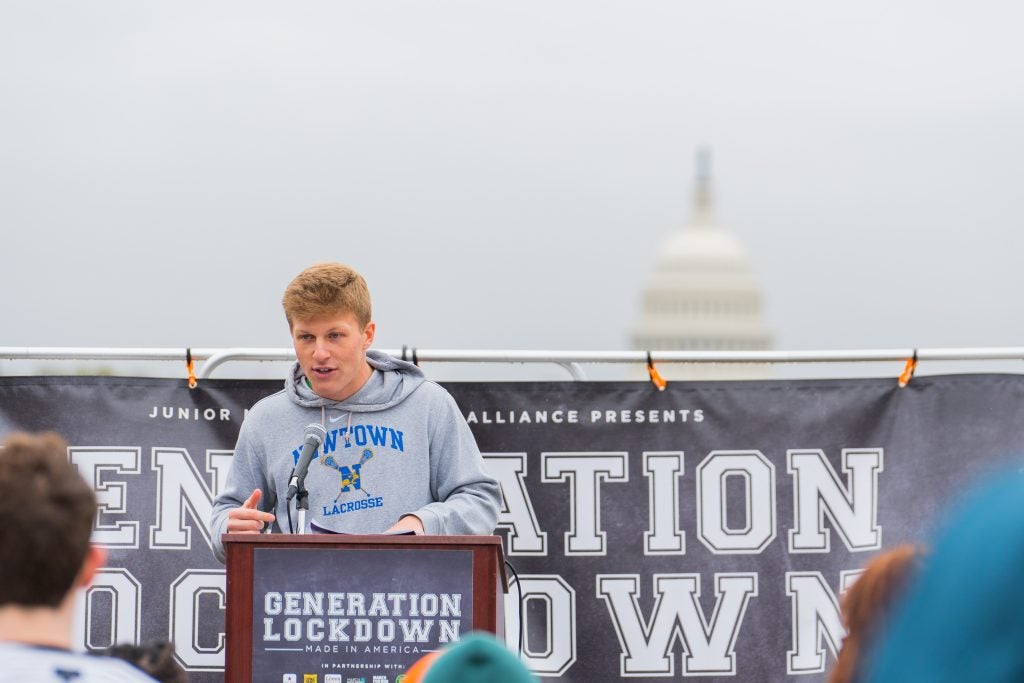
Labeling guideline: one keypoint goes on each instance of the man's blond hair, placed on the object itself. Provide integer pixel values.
(327, 289)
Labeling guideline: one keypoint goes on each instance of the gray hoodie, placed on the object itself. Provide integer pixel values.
(399, 445)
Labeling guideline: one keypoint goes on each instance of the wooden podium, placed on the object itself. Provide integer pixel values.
(327, 608)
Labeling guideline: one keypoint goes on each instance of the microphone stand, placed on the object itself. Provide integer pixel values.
(302, 505)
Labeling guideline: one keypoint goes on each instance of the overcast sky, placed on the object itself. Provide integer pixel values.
(503, 174)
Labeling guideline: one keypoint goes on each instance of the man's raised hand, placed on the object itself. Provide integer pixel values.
(249, 519)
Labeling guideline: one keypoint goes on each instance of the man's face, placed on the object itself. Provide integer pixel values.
(331, 350)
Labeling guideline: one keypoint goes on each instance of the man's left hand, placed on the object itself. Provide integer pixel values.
(408, 523)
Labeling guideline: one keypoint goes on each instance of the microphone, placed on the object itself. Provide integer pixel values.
(314, 438)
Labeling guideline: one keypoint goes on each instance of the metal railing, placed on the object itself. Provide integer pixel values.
(571, 361)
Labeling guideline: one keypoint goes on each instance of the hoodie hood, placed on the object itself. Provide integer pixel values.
(391, 383)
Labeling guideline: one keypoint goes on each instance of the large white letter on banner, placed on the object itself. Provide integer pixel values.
(758, 475)
(819, 493)
(559, 600)
(647, 645)
(585, 472)
(125, 593)
(181, 487)
(184, 628)
(111, 497)
(815, 616)
(664, 470)
(517, 515)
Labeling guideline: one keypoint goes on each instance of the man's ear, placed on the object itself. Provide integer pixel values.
(95, 558)
(371, 329)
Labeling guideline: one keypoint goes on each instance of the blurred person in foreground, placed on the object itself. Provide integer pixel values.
(477, 658)
(963, 618)
(398, 455)
(868, 604)
(47, 511)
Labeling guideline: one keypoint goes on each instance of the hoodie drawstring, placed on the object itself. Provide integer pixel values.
(348, 427)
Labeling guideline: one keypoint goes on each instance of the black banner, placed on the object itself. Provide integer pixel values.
(704, 531)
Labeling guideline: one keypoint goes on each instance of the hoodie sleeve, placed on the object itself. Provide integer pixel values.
(245, 475)
(468, 497)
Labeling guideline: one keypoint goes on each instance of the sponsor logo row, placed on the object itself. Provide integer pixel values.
(338, 678)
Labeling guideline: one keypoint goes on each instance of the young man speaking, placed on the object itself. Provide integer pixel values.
(397, 455)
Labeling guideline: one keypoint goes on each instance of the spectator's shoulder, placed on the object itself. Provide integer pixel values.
(32, 663)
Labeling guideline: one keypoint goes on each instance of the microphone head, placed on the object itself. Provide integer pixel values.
(316, 433)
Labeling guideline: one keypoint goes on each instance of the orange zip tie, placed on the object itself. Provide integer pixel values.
(658, 380)
(190, 365)
(908, 370)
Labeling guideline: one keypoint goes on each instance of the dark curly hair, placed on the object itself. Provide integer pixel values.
(155, 658)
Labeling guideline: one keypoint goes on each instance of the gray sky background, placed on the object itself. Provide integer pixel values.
(503, 174)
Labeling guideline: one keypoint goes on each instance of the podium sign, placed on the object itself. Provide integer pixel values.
(353, 607)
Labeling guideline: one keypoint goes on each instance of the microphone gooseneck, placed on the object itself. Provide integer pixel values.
(314, 436)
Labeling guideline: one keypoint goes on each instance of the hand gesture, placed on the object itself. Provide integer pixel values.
(248, 519)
